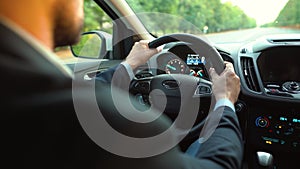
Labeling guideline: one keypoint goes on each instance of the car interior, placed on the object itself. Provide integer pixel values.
(268, 67)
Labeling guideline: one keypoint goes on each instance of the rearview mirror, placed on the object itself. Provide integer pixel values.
(93, 45)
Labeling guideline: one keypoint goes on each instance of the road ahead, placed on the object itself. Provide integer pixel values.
(224, 37)
(247, 34)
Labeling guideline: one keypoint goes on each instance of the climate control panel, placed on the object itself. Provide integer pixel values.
(277, 130)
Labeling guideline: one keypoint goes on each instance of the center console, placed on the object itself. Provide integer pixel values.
(274, 129)
(270, 77)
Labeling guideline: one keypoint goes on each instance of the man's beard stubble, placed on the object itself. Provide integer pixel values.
(65, 32)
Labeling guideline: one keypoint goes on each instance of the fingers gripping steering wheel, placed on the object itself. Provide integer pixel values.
(182, 92)
(200, 44)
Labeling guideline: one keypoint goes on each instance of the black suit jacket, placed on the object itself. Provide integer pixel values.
(40, 128)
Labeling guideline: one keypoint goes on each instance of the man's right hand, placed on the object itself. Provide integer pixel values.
(226, 85)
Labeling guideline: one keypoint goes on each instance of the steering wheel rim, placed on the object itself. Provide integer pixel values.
(213, 58)
(199, 44)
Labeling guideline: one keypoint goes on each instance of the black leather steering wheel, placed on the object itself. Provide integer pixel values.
(182, 92)
(200, 44)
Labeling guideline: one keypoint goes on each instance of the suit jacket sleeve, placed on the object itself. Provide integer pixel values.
(107, 75)
(224, 148)
(116, 76)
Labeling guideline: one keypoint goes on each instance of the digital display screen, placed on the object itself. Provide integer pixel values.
(195, 59)
(280, 65)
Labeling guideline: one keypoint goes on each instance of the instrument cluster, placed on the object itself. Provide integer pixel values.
(182, 61)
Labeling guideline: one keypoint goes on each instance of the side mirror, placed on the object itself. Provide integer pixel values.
(93, 45)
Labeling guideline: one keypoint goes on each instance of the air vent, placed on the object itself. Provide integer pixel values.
(249, 73)
(284, 40)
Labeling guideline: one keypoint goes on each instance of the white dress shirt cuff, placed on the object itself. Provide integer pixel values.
(224, 102)
(128, 69)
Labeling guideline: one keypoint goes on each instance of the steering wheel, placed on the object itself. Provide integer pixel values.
(178, 93)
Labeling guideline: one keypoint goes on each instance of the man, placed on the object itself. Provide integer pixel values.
(41, 129)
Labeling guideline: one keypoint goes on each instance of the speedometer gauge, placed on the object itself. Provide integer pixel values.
(175, 66)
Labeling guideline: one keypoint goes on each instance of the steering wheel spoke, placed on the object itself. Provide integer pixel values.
(140, 88)
(176, 93)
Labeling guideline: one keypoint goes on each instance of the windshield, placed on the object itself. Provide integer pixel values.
(222, 21)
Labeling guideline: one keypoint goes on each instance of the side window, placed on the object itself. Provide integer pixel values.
(95, 19)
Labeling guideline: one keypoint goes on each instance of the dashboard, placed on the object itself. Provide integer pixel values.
(269, 101)
(270, 80)
(179, 58)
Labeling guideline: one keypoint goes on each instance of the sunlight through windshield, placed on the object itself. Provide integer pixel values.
(221, 20)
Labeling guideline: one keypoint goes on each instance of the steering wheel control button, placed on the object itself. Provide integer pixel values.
(203, 89)
(170, 84)
(142, 87)
(262, 122)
